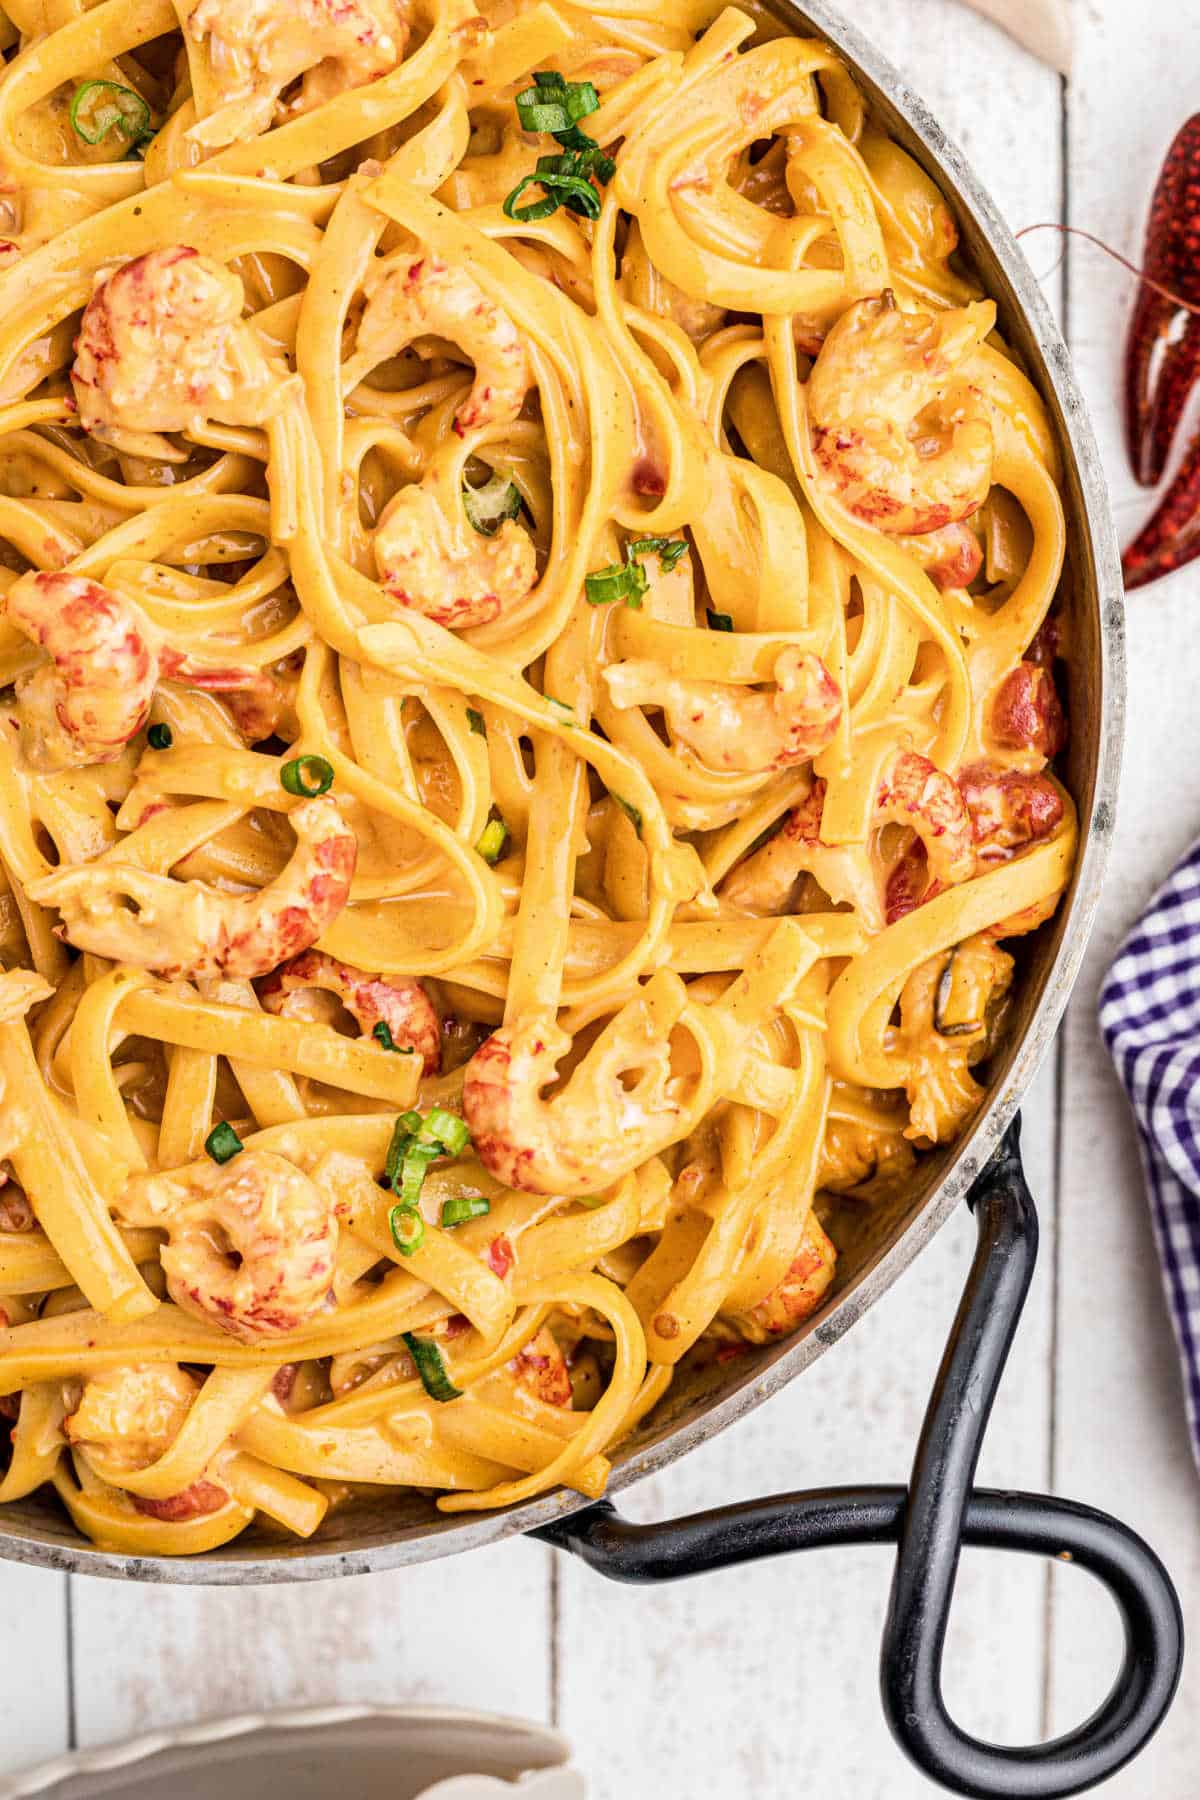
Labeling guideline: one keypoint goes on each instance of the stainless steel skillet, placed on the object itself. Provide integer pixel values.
(939, 1510)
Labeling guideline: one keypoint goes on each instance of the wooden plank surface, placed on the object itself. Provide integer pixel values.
(35, 1719)
(758, 1682)
(1120, 1440)
(472, 1632)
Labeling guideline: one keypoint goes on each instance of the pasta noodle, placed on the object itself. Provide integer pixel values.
(527, 652)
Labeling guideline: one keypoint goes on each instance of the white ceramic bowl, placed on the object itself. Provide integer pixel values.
(330, 1753)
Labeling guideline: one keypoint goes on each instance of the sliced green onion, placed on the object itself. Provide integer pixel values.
(537, 209)
(159, 737)
(582, 99)
(463, 1210)
(446, 1129)
(430, 1367)
(554, 105)
(382, 1033)
(96, 106)
(575, 139)
(618, 581)
(566, 181)
(402, 1135)
(223, 1142)
(417, 1142)
(487, 507)
(413, 1170)
(669, 551)
(537, 114)
(395, 1155)
(307, 776)
(476, 721)
(584, 161)
(591, 1201)
(492, 840)
(628, 581)
(720, 621)
(574, 192)
(631, 813)
(407, 1228)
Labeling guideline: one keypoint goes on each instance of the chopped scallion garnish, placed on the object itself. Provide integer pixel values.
(566, 180)
(407, 1228)
(307, 776)
(720, 621)
(492, 840)
(382, 1033)
(631, 813)
(97, 106)
(447, 1129)
(417, 1142)
(555, 105)
(464, 1209)
(628, 581)
(402, 1135)
(223, 1142)
(413, 1170)
(159, 737)
(668, 550)
(430, 1367)
(477, 722)
(618, 581)
(536, 114)
(487, 507)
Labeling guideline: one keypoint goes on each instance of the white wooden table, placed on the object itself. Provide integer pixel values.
(761, 1683)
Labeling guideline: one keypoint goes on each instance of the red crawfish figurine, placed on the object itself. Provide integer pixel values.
(1163, 362)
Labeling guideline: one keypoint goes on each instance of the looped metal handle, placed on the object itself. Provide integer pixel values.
(942, 1513)
(930, 1521)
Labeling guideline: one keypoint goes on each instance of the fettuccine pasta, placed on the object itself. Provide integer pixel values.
(527, 652)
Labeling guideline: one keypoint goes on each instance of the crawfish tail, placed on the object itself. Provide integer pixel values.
(1177, 376)
(1172, 536)
(1155, 395)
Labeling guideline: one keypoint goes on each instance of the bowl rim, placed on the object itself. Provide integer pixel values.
(201, 1734)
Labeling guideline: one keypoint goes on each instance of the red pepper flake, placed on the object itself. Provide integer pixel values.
(500, 1256)
(648, 478)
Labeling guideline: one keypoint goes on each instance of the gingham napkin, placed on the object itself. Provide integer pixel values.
(1043, 26)
(1150, 1018)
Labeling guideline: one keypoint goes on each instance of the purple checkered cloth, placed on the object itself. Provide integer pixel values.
(1150, 1018)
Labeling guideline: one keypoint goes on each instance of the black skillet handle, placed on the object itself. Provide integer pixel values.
(930, 1521)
